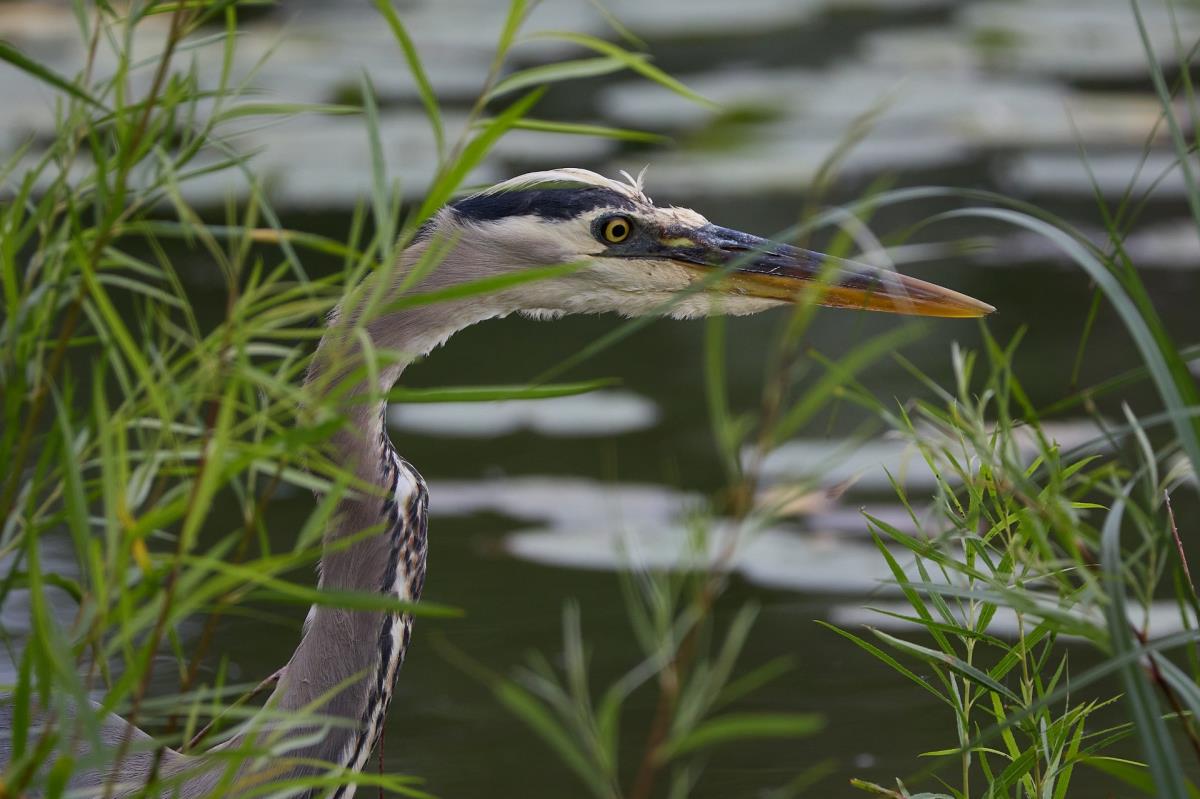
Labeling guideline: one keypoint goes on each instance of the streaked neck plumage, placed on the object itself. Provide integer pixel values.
(347, 662)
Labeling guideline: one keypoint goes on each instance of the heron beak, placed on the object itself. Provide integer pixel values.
(771, 270)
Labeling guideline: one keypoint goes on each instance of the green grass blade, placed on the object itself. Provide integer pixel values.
(1157, 746)
(1169, 372)
(498, 393)
(743, 726)
(424, 88)
(26, 64)
(472, 155)
(580, 129)
(633, 61)
(1182, 148)
(544, 74)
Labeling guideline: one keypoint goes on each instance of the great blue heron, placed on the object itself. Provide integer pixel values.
(634, 258)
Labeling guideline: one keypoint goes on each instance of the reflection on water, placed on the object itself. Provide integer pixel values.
(561, 502)
(774, 558)
(873, 465)
(814, 556)
(1160, 619)
(986, 94)
(594, 414)
(57, 556)
(16, 619)
(1059, 173)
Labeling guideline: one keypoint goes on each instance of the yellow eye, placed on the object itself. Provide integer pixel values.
(617, 229)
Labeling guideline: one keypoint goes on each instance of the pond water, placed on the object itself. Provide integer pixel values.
(528, 501)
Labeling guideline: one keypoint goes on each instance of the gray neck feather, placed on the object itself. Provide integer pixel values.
(349, 658)
(347, 661)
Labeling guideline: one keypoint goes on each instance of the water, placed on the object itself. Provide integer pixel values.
(970, 94)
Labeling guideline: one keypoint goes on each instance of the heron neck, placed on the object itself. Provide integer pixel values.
(347, 661)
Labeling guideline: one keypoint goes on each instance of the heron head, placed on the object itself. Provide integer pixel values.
(637, 258)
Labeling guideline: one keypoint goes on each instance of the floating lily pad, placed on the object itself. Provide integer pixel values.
(902, 103)
(561, 501)
(1095, 39)
(1112, 173)
(1159, 619)
(594, 414)
(789, 167)
(867, 465)
(717, 18)
(588, 525)
(324, 162)
(775, 558)
(1172, 245)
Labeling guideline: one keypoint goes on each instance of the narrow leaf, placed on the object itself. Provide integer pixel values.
(496, 393)
(740, 726)
(22, 62)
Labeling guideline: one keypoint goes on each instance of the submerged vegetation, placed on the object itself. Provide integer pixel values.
(129, 413)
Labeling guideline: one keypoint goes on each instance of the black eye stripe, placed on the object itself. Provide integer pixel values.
(549, 204)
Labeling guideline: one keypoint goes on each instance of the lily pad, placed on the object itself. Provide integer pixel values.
(598, 413)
